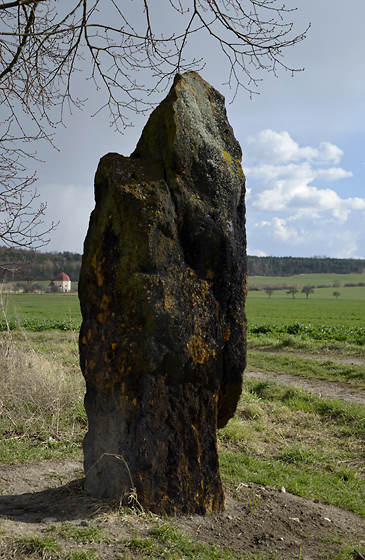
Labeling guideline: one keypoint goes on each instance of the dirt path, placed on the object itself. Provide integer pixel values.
(327, 389)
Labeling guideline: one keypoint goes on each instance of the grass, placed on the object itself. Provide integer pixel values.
(77, 555)
(82, 535)
(45, 312)
(166, 542)
(305, 331)
(328, 370)
(41, 312)
(42, 414)
(43, 547)
(288, 311)
(310, 445)
(163, 540)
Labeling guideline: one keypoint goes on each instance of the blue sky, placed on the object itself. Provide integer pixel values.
(302, 139)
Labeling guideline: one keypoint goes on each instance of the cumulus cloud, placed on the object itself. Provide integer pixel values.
(278, 147)
(286, 192)
(284, 174)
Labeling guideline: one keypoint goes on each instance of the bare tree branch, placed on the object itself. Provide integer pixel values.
(8, 5)
(128, 53)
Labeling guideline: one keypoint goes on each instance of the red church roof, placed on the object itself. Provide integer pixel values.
(62, 277)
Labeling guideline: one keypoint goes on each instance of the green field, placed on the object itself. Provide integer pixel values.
(319, 317)
(41, 312)
(315, 311)
(305, 279)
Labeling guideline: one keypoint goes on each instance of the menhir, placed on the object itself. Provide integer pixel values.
(162, 292)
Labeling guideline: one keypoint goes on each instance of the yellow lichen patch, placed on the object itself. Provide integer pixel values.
(210, 274)
(239, 168)
(199, 350)
(228, 158)
(90, 364)
(96, 267)
(210, 504)
(105, 302)
(99, 278)
(169, 302)
(227, 333)
(100, 318)
(84, 340)
(124, 398)
(114, 345)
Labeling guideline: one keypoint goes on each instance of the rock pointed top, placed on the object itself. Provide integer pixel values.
(189, 133)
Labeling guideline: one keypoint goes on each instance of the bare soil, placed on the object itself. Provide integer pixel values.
(256, 519)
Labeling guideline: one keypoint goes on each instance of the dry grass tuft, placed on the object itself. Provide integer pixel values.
(38, 394)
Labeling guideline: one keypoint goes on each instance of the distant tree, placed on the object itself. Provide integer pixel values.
(31, 287)
(336, 294)
(269, 292)
(308, 290)
(292, 291)
(336, 284)
(55, 289)
(18, 286)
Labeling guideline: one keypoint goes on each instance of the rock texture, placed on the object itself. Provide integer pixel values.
(162, 292)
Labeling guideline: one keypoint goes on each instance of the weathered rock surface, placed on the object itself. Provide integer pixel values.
(162, 291)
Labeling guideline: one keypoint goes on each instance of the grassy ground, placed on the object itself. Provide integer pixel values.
(280, 437)
(285, 437)
(42, 414)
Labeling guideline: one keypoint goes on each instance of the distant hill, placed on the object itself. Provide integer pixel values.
(45, 266)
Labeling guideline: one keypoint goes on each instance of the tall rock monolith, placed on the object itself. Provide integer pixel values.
(162, 292)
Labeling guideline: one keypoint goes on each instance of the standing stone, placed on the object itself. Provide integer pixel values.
(162, 292)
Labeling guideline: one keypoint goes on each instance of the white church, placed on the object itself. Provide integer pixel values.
(62, 282)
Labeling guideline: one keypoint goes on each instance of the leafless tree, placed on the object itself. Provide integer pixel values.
(128, 53)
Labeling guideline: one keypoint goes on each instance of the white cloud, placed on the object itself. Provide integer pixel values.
(327, 153)
(293, 208)
(288, 187)
(332, 174)
(278, 148)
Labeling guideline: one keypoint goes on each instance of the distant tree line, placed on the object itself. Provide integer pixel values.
(290, 266)
(45, 266)
(40, 266)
